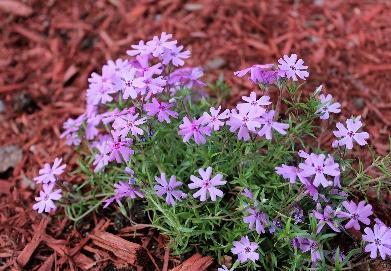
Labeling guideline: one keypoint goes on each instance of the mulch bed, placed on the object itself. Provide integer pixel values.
(49, 48)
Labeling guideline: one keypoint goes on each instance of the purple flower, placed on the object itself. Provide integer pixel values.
(46, 197)
(246, 120)
(298, 215)
(175, 56)
(260, 74)
(253, 102)
(288, 172)
(327, 106)
(120, 149)
(276, 224)
(327, 217)
(151, 85)
(111, 116)
(356, 213)
(305, 245)
(268, 124)
(159, 45)
(194, 129)
(316, 165)
(247, 193)
(102, 158)
(256, 218)
(71, 128)
(169, 188)
(129, 83)
(207, 184)
(161, 109)
(291, 68)
(185, 78)
(245, 250)
(214, 119)
(48, 173)
(224, 268)
(378, 239)
(139, 49)
(129, 123)
(347, 135)
(123, 190)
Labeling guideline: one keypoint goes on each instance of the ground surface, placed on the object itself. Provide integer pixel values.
(49, 48)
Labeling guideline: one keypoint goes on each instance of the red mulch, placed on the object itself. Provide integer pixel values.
(49, 48)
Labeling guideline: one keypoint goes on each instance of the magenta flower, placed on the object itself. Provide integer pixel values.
(194, 129)
(253, 102)
(316, 165)
(175, 56)
(214, 120)
(269, 124)
(129, 83)
(291, 67)
(129, 123)
(256, 218)
(48, 173)
(169, 188)
(378, 239)
(46, 197)
(347, 135)
(245, 250)
(356, 213)
(246, 120)
(327, 217)
(161, 109)
(207, 184)
(327, 106)
(120, 149)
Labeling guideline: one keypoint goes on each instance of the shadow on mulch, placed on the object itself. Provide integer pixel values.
(49, 48)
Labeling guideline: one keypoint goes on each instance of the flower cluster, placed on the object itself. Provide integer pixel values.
(48, 177)
(225, 179)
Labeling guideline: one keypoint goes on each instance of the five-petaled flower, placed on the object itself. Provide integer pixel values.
(207, 185)
(327, 217)
(256, 218)
(378, 239)
(170, 188)
(194, 128)
(215, 119)
(128, 123)
(46, 197)
(346, 135)
(291, 67)
(356, 213)
(245, 250)
(48, 173)
(161, 109)
(327, 106)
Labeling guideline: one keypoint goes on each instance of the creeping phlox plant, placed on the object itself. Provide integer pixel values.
(249, 181)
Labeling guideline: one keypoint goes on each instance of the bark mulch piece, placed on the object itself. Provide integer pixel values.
(49, 48)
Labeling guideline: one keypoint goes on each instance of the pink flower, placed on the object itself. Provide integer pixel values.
(206, 184)
(169, 188)
(161, 109)
(245, 250)
(119, 149)
(327, 106)
(214, 119)
(347, 135)
(327, 217)
(269, 124)
(46, 197)
(246, 120)
(194, 129)
(253, 102)
(378, 239)
(151, 85)
(124, 190)
(291, 68)
(48, 173)
(129, 123)
(129, 83)
(356, 213)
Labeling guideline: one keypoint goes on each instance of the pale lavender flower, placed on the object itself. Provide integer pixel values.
(139, 49)
(346, 135)
(356, 213)
(119, 148)
(48, 174)
(194, 128)
(378, 239)
(252, 101)
(161, 109)
(245, 250)
(111, 116)
(326, 218)
(327, 106)
(256, 218)
(224, 268)
(185, 78)
(316, 165)
(71, 128)
(214, 120)
(124, 190)
(269, 124)
(92, 122)
(260, 74)
(246, 120)
(207, 184)
(247, 193)
(46, 197)
(170, 188)
(159, 45)
(129, 123)
(102, 158)
(98, 94)
(288, 172)
(292, 67)
(175, 56)
(151, 85)
(129, 83)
